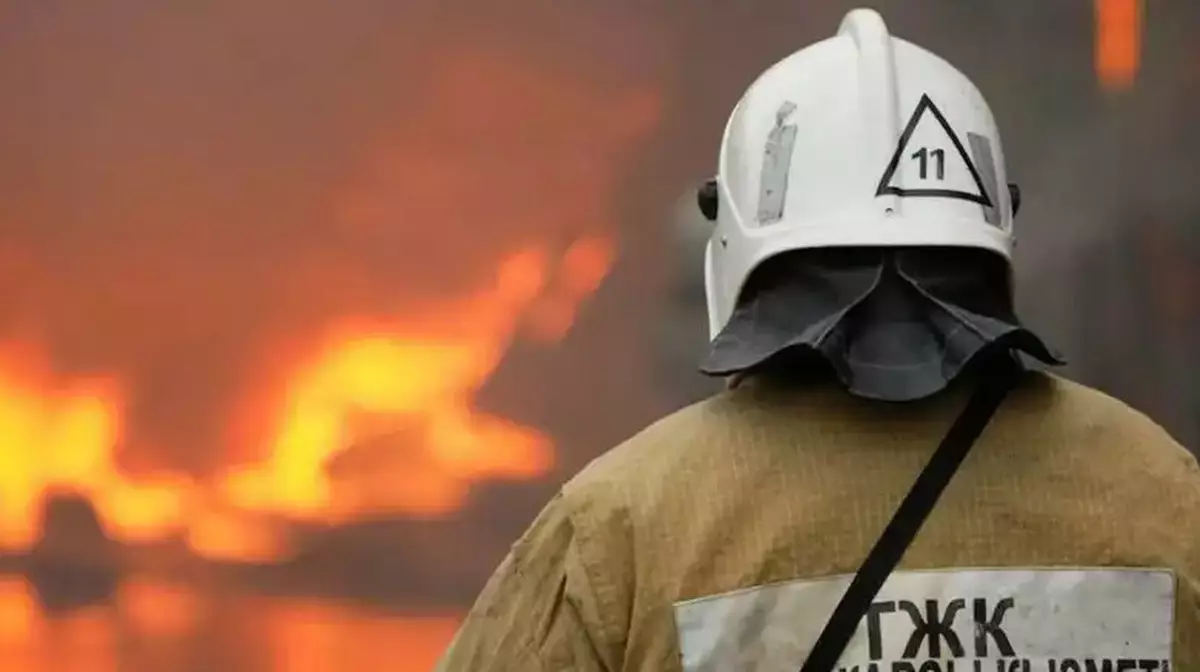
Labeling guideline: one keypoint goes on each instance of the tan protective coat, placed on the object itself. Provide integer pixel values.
(768, 483)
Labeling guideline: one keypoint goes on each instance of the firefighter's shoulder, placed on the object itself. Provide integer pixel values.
(1051, 409)
(1094, 460)
(1091, 421)
(715, 451)
(682, 445)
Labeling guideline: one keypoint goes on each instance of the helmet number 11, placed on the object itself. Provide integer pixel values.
(939, 157)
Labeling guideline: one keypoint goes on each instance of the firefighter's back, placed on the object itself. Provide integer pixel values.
(862, 223)
(710, 532)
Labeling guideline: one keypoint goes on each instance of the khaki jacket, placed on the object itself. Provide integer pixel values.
(768, 483)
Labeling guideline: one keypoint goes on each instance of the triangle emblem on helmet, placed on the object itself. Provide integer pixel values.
(931, 162)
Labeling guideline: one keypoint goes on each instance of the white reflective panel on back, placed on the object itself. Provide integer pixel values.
(1011, 620)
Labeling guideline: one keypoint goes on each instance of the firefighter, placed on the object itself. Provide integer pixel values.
(884, 485)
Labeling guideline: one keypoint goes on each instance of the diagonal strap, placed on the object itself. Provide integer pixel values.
(909, 517)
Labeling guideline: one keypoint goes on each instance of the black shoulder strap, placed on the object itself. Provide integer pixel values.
(907, 520)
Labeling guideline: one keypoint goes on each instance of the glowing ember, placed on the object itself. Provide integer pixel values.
(1118, 42)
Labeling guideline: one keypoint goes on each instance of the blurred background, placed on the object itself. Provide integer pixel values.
(309, 306)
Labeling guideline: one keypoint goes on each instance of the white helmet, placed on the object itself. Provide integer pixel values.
(862, 139)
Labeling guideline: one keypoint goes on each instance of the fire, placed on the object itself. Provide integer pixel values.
(584, 267)
(381, 420)
(58, 436)
(1118, 41)
(220, 532)
(17, 607)
(378, 421)
(377, 413)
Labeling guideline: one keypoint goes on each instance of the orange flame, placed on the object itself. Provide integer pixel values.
(1118, 42)
(584, 267)
(379, 417)
(60, 437)
(17, 608)
(381, 420)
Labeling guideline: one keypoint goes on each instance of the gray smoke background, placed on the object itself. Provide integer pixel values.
(171, 174)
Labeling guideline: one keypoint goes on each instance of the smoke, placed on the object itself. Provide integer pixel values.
(191, 193)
